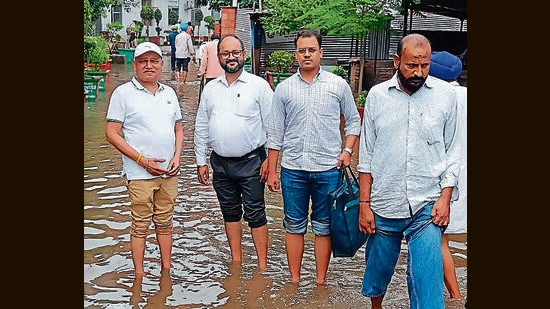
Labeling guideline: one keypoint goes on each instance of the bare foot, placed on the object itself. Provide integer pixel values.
(321, 282)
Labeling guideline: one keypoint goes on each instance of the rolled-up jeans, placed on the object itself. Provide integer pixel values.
(424, 259)
(298, 187)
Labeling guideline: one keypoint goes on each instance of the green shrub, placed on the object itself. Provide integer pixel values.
(280, 60)
(340, 71)
(96, 50)
(361, 98)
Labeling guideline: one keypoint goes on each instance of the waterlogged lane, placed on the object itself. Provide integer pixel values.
(201, 276)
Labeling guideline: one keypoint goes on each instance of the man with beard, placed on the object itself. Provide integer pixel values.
(232, 119)
(408, 167)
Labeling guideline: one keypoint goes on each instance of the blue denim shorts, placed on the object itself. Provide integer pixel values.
(424, 259)
(298, 188)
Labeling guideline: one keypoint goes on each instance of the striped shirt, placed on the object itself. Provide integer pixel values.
(305, 121)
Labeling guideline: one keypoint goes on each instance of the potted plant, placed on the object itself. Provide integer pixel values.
(360, 102)
(281, 62)
(147, 14)
(96, 57)
(340, 71)
(96, 53)
(157, 14)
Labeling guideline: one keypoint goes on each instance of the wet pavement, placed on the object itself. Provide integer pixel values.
(201, 276)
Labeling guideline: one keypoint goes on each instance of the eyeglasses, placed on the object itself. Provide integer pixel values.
(235, 53)
(145, 60)
(302, 51)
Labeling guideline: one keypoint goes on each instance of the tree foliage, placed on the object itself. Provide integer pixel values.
(354, 18)
(198, 17)
(87, 17)
(157, 14)
(173, 17)
(147, 13)
(210, 22)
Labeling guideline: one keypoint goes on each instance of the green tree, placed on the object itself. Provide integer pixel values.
(331, 17)
(157, 14)
(173, 17)
(147, 16)
(198, 17)
(210, 23)
(87, 17)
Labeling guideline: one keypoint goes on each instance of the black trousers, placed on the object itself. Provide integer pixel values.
(240, 192)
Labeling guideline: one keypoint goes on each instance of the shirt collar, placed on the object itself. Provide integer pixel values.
(140, 86)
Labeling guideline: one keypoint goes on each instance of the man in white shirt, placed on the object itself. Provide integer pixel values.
(232, 119)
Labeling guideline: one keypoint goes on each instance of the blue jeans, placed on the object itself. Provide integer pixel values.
(424, 260)
(298, 187)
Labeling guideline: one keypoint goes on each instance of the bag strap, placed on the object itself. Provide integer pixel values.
(348, 171)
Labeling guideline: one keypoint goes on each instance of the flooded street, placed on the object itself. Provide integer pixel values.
(201, 276)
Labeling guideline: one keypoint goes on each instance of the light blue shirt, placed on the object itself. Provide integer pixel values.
(147, 123)
(232, 119)
(408, 145)
(305, 122)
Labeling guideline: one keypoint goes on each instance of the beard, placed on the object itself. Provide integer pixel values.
(240, 65)
(412, 83)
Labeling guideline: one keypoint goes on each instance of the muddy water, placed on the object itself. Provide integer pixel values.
(201, 276)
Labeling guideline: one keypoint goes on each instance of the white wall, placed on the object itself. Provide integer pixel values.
(163, 5)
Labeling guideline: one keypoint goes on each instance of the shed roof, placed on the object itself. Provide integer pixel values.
(451, 8)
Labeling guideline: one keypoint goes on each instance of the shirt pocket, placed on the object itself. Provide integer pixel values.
(246, 106)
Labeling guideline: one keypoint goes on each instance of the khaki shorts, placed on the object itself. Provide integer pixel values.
(152, 199)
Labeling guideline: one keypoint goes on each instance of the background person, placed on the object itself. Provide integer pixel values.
(305, 127)
(448, 67)
(232, 119)
(144, 123)
(408, 167)
(210, 65)
(172, 41)
(184, 51)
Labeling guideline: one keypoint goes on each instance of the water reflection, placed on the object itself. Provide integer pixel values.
(201, 276)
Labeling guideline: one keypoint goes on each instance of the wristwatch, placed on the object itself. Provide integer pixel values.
(348, 150)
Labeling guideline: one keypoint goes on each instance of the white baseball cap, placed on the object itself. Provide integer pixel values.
(144, 47)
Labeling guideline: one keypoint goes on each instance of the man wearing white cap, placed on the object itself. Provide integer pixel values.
(144, 123)
(448, 67)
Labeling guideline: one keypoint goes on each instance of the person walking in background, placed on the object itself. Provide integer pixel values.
(144, 123)
(210, 65)
(232, 119)
(305, 127)
(191, 31)
(184, 51)
(408, 167)
(172, 41)
(448, 67)
(200, 52)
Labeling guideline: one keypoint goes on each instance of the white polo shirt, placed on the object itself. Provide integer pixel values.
(147, 123)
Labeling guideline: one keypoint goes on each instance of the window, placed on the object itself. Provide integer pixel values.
(116, 13)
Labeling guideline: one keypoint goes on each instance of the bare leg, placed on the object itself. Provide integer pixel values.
(165, 245)
(137, 245)
(234, 231)
(376, 302)
(184, 76)
(323, 249)
(449, 272)
(294, 244)
(136, 298)
(259, 237)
